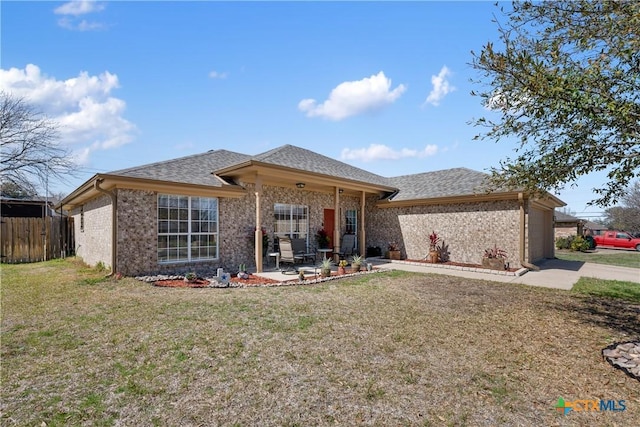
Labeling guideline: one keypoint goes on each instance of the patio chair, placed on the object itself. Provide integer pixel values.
(347, 245)
(300, 248)
(287, 256)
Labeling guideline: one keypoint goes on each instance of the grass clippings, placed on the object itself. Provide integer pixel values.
(385, 349)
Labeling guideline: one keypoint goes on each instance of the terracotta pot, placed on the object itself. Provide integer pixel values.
(394, 255)
(355, 268)
(341, 270)
(493, 263)
(433, 257)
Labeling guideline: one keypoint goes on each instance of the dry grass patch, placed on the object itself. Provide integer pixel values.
(383, 349)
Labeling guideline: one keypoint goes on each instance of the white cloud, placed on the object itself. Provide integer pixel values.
(441, 87)
(90, 118)
(79, 7)
(351, 98)
(383, 152)
(73, 9)
(218, 75)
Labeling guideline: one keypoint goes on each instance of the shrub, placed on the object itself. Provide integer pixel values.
(580, 244)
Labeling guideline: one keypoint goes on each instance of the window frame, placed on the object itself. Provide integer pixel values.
(179, 228)
(293, 230)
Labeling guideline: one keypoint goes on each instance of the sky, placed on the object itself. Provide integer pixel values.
(383, 86)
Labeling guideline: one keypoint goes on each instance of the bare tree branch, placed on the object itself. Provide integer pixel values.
(29, 148)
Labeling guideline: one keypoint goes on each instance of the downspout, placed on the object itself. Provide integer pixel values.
(114, 223)
(523, 218)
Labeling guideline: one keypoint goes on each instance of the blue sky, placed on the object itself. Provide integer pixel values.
(383, 86)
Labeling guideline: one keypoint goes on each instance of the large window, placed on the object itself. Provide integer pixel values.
(187, 228)
(291, 221)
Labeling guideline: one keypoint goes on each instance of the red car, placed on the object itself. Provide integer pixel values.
(617, 239)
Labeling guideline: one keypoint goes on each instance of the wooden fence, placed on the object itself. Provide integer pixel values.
(35, 239)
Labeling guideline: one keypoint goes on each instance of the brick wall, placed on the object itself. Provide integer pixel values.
(93, 244)
(467, 228)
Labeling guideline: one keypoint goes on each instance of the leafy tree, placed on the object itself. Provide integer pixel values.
(29, 149)
(627, 216)
(15, 191)
(565, 82)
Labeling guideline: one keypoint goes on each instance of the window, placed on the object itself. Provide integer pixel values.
(291, 221)
(187, 228)
(351, 221)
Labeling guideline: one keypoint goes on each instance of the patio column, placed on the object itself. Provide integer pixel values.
(258, 232)
(336, 224)
(363, 251)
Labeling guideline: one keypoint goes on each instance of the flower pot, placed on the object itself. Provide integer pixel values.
(394, 255)
(493, 263)
(355, 268)
(433, 257)
(341, 270)
(325, 272)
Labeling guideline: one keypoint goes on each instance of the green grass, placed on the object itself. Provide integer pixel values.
(619, 258)
(392, 348)
(628, 291)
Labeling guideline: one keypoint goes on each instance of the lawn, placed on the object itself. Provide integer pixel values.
(621, 258)
(384, 349)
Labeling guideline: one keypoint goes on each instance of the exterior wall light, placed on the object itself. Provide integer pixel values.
(300, 184)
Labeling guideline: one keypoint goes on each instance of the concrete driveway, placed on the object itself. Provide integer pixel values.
(554, 273)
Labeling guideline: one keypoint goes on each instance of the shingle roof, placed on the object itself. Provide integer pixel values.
(195, 169)
(563, 217)
(307, 160)
(200, 168)
(442, 183)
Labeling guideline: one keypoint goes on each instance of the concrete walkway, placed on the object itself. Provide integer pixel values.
(554, 273)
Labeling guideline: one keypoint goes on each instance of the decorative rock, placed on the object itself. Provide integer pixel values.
(624, 356)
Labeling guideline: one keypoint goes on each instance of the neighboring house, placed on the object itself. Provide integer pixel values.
(594, 228)
(202, 210)
(568, 225)
(34, 207)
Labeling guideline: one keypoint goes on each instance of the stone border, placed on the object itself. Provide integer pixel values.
(520, 272)
(293, 282)
(624, 356)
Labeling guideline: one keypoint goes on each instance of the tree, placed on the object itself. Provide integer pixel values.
(627, 216)
(566, 84)
(30, 153)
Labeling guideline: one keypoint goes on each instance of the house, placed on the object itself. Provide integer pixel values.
(567, 225)
(209, 210)
(32, 207)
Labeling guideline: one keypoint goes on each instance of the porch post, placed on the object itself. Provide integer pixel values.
(336, 224)
(363, 252)
(258, 232)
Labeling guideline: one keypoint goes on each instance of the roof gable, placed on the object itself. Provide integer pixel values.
(299, 158)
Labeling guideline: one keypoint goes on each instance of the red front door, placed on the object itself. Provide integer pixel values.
(329, 222)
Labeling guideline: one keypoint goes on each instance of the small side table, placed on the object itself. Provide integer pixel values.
(324, 252)
(276, 255)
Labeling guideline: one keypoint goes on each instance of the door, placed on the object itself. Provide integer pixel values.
(328, 224)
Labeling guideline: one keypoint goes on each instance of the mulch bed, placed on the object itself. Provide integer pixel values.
(252, 280)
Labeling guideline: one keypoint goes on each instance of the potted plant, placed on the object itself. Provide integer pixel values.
(242, 272)
(393, 251)
(341, 266)
(356, 262)
(325, 269)
(322, 239)
(190, 277)
(494, 258)
(434, 239)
